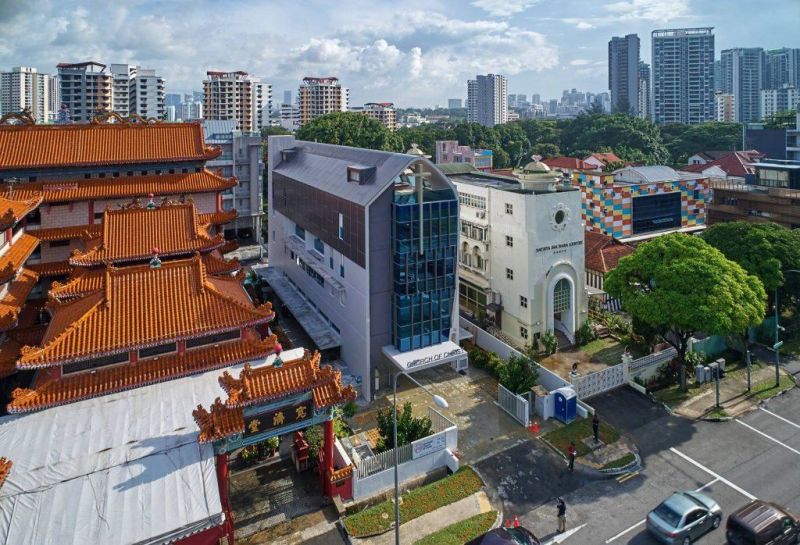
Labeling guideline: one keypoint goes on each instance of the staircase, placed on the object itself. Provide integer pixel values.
(563, 341)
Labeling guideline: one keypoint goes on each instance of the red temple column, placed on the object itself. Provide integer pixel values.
(91, 212)
(222, 483)
(219, 201)
(328, 457)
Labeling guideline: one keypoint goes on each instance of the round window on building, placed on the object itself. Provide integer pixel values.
(560, 216)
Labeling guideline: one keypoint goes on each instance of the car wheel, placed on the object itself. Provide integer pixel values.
(687, 541)
(715, 522)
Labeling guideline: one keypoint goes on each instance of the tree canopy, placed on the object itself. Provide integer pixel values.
(682, 141)
(765, 250)
(681, 285)
(409, 427)
(350, 129)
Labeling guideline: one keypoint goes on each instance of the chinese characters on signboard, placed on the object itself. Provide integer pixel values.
(260, 423)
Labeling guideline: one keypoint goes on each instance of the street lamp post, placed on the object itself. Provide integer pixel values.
(778, 343)
(440, 402)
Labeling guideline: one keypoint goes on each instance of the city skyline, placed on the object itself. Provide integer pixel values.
(419, 57)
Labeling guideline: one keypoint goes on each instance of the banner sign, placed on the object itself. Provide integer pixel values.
(259, 423)
(428, 445)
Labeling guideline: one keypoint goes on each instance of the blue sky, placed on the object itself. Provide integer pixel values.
(412, 52)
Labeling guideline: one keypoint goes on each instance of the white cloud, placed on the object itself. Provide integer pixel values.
(649, 10)
(504, 8)
(579, 62)
(583, 25)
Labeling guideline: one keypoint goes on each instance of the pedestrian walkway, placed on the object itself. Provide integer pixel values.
(734, 399)
(414, 530)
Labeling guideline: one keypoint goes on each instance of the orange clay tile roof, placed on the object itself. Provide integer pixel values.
(602, 252)
(341, 474)
(229, 246)
(81, 282)
(66, 233)
(107, 380)
(13, 208)
(133, 234)
(81, 145)
(216, 264)
(140, 306)
(18, 291)
(268, 383)
(134, 186)
(218, 218)
(48, 270)
(9, 353)
(15, 257)
(5, 469)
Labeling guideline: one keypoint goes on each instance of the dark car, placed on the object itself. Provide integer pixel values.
(507, 536)
(762, 523)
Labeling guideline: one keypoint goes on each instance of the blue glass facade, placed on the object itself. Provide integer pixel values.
(424, 282)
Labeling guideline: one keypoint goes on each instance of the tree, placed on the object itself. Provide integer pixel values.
(685, 140)
(518, 374)
(781, 120)
(350, 129)
(545, 150)
(273, 131)
(631, 138)
(409, 428)
(514, 142)
(679, 285)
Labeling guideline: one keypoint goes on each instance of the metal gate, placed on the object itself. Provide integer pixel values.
(517, 406)
(599, 381)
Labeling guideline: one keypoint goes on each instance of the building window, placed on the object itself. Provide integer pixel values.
(85, 365)
(341, 226)
(156, 350)
(523, 332)
(509, 241)
(300, 232)
(341, 265)
(510, 210)
(353, 175)
(319, 246)
(213, 339)
(59, 243)
(473, 201)
(330, 261)
(523, 301)
(509, 274)
(561, 296)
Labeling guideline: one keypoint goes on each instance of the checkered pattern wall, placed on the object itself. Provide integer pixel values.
(608, 207)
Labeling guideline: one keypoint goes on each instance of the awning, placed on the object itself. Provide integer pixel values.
(423, 358)
(315, 325)
(464, 334)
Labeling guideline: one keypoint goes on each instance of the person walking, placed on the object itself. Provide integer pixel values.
(596, 428)
(571, 455)
(562, 515)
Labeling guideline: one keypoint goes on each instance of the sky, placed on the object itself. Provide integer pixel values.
(410, 52)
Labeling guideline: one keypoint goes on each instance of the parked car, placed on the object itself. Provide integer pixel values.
(507, 536)
(762, 523)
(684, 517)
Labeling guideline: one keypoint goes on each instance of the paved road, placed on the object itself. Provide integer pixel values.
(757, 456)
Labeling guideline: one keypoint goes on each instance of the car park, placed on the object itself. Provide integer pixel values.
(683, 518)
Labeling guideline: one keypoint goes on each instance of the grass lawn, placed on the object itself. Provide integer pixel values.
(461, 532)
(608, 350)
(620, 462)
(415, 503)
(577, 431)
(716, 412)
(791, 347)
(766, 389)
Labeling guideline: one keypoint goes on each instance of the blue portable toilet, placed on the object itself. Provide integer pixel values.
(566, 404)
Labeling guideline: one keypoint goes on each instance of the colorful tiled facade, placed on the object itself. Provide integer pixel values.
(607, 205)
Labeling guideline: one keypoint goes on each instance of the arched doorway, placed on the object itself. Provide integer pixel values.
(562, 305)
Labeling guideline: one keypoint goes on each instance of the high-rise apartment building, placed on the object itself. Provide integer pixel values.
(120, 100)
(287, 97)
(238, 96)
(782, 68)
(383, 112)
(86, 89)
(644, 90)
(190, 109)
(147, 94)
(725, 106)
(779, 100)
(319, 96)
(455, 103)
(623, 73)
(487, 100)
(290, 117)
(683, 75)
(742, 72)
(23, 88)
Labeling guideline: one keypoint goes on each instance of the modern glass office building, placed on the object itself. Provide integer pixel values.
(362, 250)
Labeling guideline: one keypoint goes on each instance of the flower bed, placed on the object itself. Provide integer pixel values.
(415, 503)
(461, 532)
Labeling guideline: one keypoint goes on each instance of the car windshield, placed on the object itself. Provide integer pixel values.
(668, 515)
(519, 536)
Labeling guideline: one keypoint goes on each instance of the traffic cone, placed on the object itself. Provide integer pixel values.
(516, 521)
(535, 427)
(508, 523)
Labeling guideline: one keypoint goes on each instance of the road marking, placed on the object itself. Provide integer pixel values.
(623, 532)
(715, 475)
(626, 476)
(707, 485)
(779, 417)
(561, 537)
(784, 445)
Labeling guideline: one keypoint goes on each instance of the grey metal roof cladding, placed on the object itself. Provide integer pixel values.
(649, 174)
(212, 127)
(324, 166)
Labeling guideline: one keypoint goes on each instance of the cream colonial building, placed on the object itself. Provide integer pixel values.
(521, 255)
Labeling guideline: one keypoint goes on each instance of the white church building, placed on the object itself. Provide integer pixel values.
(521, 255)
